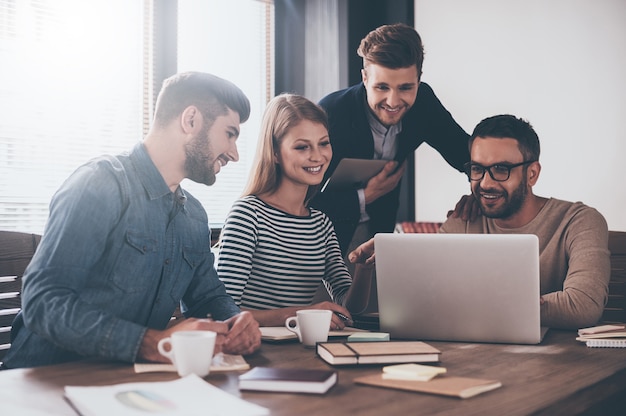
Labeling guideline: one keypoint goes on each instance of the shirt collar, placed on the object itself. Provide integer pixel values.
(150, 177)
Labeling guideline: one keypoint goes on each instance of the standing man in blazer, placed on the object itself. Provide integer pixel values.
(387, 116)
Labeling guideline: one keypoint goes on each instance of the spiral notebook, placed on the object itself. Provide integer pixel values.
(606, 343)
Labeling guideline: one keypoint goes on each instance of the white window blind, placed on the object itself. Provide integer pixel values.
(70, 90)
(72, 85)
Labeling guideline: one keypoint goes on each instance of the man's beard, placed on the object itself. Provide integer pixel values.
(199, 159)
(511, 206)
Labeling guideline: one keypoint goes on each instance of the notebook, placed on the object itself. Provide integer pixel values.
(459, 287)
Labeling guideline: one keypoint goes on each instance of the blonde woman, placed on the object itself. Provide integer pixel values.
(275, 250)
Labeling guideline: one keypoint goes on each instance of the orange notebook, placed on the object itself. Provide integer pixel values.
(461, 387)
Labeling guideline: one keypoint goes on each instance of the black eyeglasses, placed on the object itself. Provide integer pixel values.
(499, 172)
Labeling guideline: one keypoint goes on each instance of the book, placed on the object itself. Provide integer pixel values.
(221, 363)
(461, 387)
(281, 334)
(603, 336)
(189, 395)
(411, 371)
(601, 329)
(368, 336)
(337, 353)
(606, 335)
(288, 380)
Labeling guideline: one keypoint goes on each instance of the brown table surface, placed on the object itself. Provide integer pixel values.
(558, 376)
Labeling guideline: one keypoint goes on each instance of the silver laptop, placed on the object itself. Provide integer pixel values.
(459, 287)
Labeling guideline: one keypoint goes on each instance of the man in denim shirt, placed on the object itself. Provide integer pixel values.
(125, 244)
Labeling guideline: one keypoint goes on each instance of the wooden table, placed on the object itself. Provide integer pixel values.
(559, 376)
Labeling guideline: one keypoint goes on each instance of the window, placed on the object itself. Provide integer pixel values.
(74, 86)
(70, 90)
(230, 39)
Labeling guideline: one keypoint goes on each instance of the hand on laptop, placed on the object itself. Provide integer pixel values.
(363, 254)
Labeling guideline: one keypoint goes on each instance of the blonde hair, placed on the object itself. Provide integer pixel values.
(281, 114)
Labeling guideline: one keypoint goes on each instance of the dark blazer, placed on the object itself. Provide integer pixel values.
(351, 137)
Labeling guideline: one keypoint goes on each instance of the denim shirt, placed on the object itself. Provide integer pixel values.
(119, 252)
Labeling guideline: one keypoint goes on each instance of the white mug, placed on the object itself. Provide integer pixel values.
(191, 352)
(311, 325)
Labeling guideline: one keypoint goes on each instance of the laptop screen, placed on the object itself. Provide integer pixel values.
(459, 287)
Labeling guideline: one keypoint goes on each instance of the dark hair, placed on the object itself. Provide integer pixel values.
(211, 94)
(393, 46)
(508, 126)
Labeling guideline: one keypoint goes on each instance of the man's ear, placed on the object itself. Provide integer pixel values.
(534, 169)
(190, 119)
(363, 75)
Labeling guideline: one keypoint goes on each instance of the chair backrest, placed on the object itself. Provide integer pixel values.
(615, 310)
(16, 251)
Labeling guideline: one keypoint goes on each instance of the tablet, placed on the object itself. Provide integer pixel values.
(353, 173)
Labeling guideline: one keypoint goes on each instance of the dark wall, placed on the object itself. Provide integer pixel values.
(289, 52)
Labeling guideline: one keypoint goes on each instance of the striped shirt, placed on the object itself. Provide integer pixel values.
(271, 259)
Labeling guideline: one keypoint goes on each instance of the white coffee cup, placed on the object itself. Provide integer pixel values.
(311, 325)
(191, 352)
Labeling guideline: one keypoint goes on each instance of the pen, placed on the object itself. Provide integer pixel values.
(343, 317)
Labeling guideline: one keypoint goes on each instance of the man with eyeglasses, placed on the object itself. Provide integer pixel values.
(573, 237)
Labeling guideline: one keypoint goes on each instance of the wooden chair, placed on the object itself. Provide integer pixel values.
(16, 251)
(615, 310)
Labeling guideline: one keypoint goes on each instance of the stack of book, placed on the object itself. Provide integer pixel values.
(603, 336)
(418, 227)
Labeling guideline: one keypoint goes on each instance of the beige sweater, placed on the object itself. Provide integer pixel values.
(574, 260)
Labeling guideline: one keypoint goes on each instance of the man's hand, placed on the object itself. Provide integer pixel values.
(244, 335)
(148, 348)
(384, 182)
(238, 335)
(467, 208)
(363, 254)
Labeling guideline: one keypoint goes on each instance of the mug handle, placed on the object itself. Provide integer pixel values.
(295, 329)
(161, 347)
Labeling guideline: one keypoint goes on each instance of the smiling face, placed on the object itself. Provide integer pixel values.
(502, 200)
(212, 148)
(304, 154)
(390, 92)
